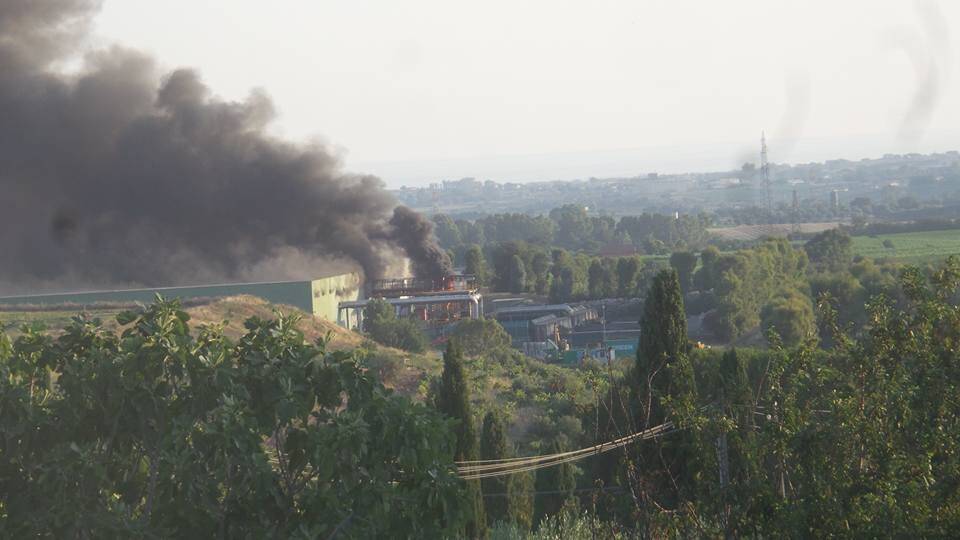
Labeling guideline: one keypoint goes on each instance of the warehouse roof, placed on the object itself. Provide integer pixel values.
(563, 308)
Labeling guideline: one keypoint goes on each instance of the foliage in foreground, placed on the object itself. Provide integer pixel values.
(566, 525)
(160, 433)
(860, 439)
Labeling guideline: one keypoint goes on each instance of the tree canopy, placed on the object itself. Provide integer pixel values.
(832, 249)
(173, 431)
(383, 325)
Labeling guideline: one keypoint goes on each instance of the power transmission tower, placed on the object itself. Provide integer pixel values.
(765, 173)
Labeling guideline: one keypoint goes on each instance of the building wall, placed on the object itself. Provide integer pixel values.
(519, 330)
(319, 297)
(328, 292)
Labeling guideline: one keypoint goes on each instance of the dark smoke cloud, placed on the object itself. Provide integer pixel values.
(414, 234)
(120, 176)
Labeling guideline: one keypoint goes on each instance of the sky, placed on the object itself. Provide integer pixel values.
(426, 90)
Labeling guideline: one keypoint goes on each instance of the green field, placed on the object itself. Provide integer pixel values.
(913, 247)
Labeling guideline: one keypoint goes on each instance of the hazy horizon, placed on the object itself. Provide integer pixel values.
(429, 90)
(630, 162)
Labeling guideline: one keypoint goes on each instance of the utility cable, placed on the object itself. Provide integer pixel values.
(514, 462)
(539, 462)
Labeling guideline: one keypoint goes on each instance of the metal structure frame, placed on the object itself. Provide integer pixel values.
(430, 308)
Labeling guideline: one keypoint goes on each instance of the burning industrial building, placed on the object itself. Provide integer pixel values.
(120, 175)
(438, 304)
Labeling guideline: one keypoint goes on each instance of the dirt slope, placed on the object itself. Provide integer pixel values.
(237, 309)
(397, 369)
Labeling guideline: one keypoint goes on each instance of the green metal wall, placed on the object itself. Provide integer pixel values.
(319, 297)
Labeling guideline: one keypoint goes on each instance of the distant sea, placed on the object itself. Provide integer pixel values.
(668, 159)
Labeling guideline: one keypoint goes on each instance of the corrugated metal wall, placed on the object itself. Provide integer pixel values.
(319, 297)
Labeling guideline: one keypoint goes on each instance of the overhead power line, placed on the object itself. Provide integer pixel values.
(474, 470)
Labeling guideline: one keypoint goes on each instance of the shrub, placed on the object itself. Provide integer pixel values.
(477, 336)
(168, 431)
(385, 328)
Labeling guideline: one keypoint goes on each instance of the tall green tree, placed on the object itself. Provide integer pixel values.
(517, 275)
(706, 277)
(790, 316)
(505, 268)
(475, 264)
(747, 280)
(540, 268)
(627, 270)
(446, 231)
(471, 232)
(453, 399)
(559, 483)
(493, 445)
(595, 279)
(663, 341)
(665, 389)
(684, 262)
(574, 227)
(521, 488)
(831, 250)
(561, 290)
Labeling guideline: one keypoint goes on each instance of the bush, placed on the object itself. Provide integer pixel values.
(832, 249)
(790, 315)
(567, 525)
(385, 328)
(384, 364)
(173, 431)
(406, 335)
(477, 336)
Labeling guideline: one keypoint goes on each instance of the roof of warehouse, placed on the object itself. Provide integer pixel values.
(545, 319)
(533, 309)
(172, 287)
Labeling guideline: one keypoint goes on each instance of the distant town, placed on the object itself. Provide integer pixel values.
(895, 186)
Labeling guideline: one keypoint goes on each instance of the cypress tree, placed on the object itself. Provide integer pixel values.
(734, 391)
(684, 262)
(560, 480)
(453, 399)
(493, 445)
(663, 370)
(663, 341)
(517, 275)
(736, 399)
(475, 264)
(520, 512)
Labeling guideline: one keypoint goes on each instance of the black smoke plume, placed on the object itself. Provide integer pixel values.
(117, 175)
(415, 235)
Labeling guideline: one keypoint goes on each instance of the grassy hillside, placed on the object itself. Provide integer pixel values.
(909, 247)
(233, 312)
